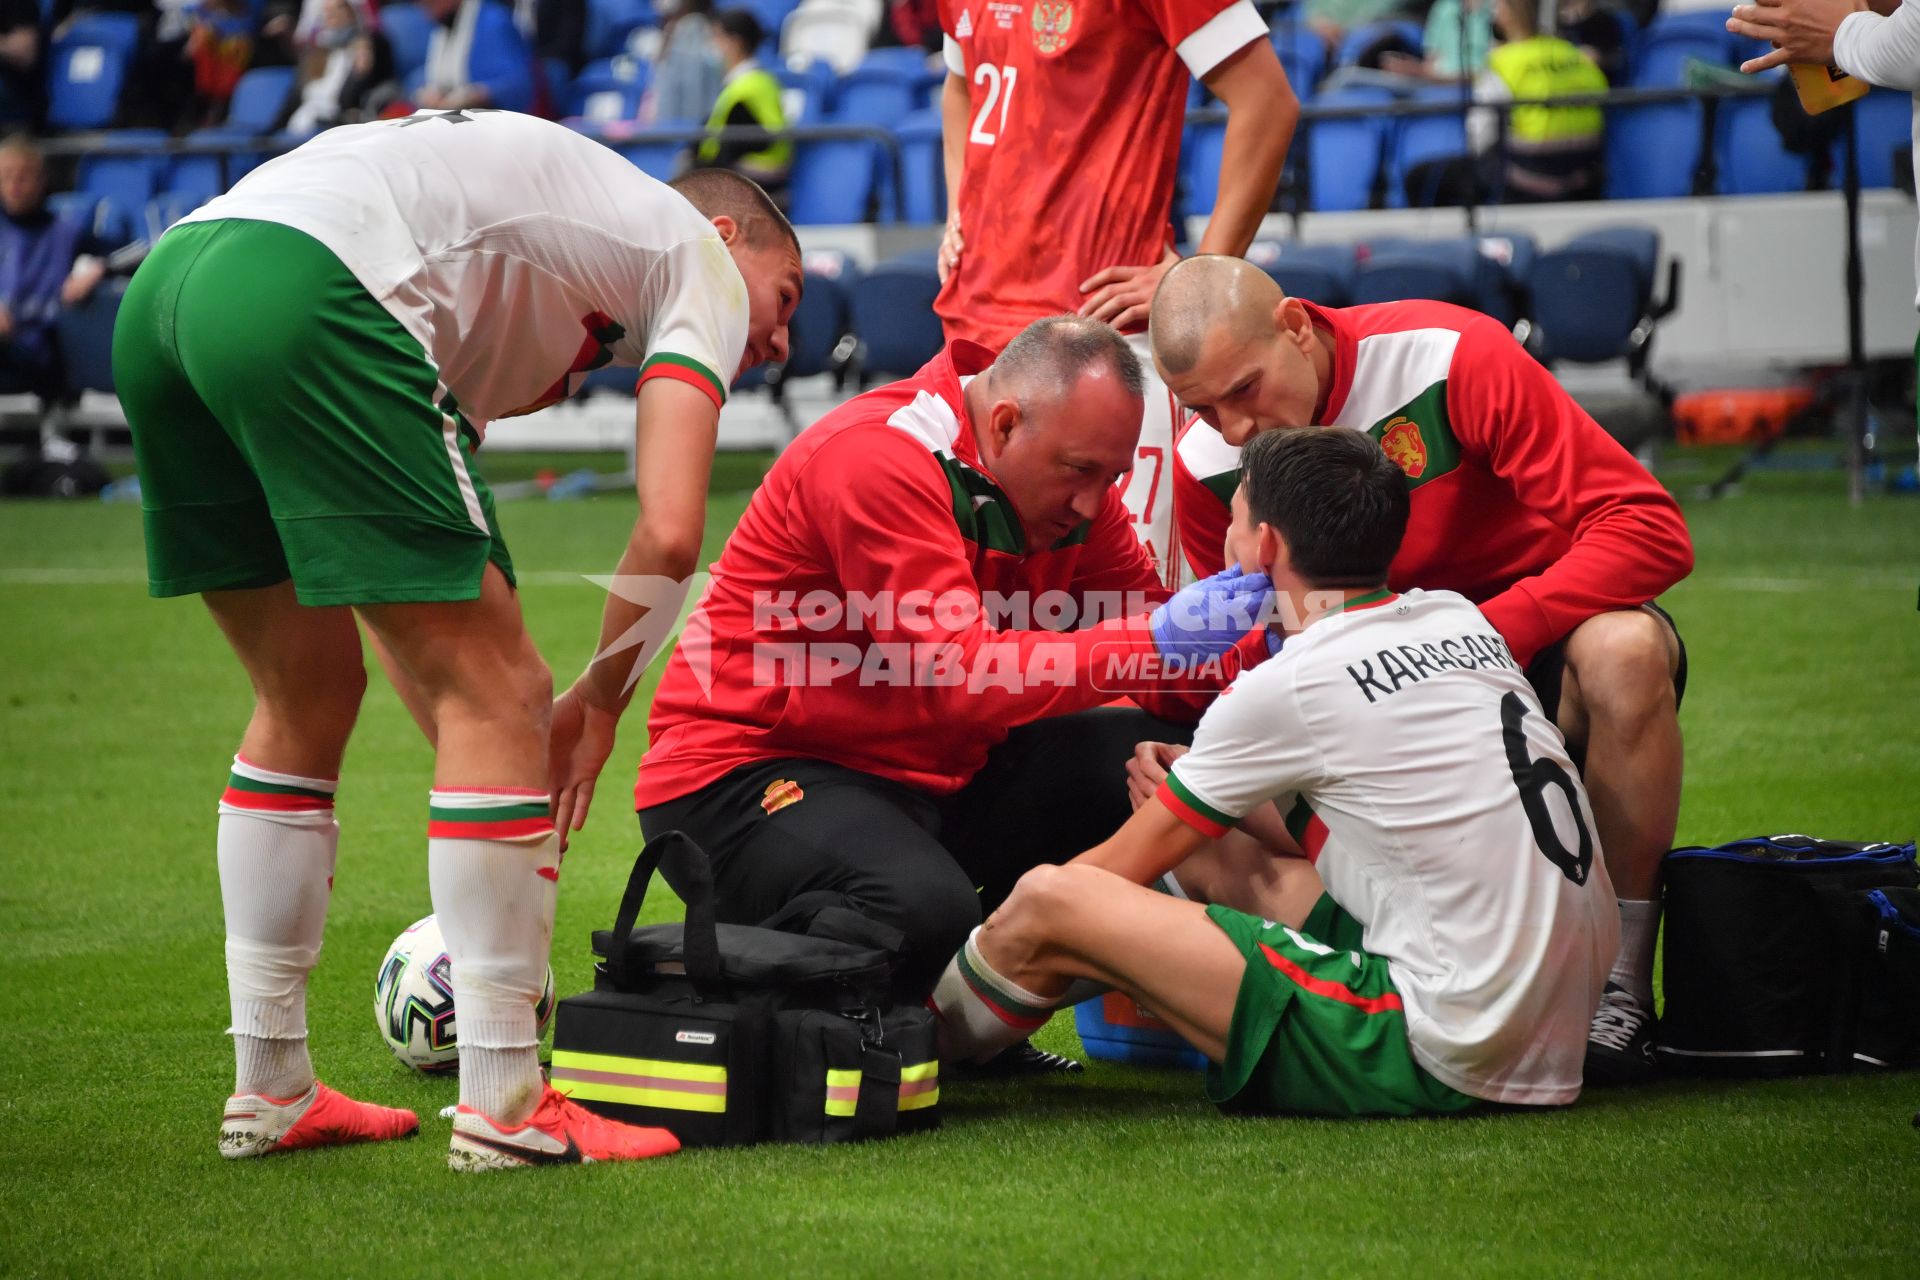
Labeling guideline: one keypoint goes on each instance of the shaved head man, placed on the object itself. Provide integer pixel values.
(1234, 349)
(1519, 501)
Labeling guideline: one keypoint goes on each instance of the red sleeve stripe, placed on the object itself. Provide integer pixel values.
(276, 802)
(1189, 809)
(689, 371)
(1329, 989)
(509, 829)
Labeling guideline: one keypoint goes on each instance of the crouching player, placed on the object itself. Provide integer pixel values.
(1467, 924)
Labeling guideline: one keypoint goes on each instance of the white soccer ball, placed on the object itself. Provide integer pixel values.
(413, 1000)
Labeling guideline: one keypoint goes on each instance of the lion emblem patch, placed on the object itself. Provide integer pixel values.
(1401, 441)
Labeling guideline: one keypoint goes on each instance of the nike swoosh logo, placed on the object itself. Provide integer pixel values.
(570, 1154)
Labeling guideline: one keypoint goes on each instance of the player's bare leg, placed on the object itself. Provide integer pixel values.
(277, 845)
(1618, 712)
(1244, 872)
(1067, 923)
(493, 862)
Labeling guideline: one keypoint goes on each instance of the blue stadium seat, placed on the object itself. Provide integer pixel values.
(1593, 300)
(1749, 157)
(106, 220)
(610, 89)
(128, 180)
(86, 338)
(1453, 270)
(88, 68)
(408, 30)
(817, 325)
(1418, 139)
(1303, 54)
(1344, 156)
(771, 13)
(908, 62)
(1200, 152)
(260, 99)
(923, 169)
(1358, 40)
(1884, 122)
(833, 182)
(808, 94)
(164, 210)
(877, 93)
(611, 23)
(1321, 273)
(892, 312)
(655, 159)
(1653, 150)
(1660, 54)
(200, 176)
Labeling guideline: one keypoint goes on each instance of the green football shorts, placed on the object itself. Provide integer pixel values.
(1318, 1028)
(285, 425)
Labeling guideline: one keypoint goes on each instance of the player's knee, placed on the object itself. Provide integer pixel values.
(324, 696)
(1623, 663)
(1046, 895)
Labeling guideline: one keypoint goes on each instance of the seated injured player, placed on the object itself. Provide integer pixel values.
(1458, 949)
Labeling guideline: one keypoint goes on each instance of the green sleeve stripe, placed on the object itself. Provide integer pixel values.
(692, 366)
(1198, 805)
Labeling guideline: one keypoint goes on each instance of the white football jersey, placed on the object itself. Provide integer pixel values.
(519, 253)
(1412, 761)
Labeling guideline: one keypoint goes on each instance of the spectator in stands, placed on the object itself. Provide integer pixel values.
(348, 71)
(554, 29)
(22, 88)
(686, 76)
(1331, 20)
(1550, 152)
(475, 58)
(915, 23)
(749, 98)
(220, 47)
(1597, 28)
(1446, 57)
(45, 263)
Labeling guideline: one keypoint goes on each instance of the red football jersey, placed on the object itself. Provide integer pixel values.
(1521, 502)
(884, 501)
(1073, 133)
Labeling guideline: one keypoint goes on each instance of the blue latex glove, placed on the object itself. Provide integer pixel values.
(1211, 616)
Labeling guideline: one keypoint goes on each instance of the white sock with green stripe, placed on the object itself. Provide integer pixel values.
(493, 861)
(982, 1012)
(276, 850)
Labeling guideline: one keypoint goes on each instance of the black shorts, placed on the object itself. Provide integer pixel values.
(930, 866)
(1548, 669)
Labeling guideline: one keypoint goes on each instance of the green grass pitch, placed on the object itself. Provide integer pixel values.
(117, 716)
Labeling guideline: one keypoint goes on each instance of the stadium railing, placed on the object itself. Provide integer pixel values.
(890, 174)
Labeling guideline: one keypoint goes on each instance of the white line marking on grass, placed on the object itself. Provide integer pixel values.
(72, 577)
(1850, 582)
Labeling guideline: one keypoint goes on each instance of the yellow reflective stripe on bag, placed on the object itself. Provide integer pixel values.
(640, 1082)
(843, 1092)
(919, 1085)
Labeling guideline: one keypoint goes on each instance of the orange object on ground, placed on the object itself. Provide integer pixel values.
(1737, 415)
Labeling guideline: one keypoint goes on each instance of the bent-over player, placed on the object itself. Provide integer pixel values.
(307, 364)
